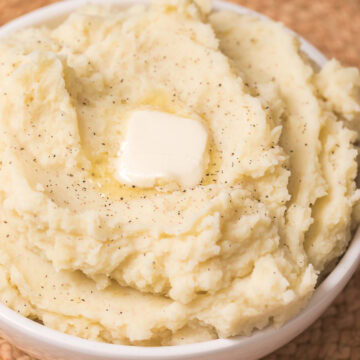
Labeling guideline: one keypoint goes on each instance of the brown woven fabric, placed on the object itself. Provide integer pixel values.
(334, 27)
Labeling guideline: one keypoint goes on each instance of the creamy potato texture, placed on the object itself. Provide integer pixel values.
(171, 264)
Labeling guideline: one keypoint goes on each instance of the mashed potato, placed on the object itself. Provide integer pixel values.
(165, 265)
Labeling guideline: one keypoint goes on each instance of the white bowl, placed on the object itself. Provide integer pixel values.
(45, 343)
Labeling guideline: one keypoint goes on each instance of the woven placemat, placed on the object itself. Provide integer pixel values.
(333, 26)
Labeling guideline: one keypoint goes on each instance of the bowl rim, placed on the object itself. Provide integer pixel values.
(332, 284)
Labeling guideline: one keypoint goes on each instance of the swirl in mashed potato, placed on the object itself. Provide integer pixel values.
(244, 248)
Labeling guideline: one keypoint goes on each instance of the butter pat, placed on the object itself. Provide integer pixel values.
(159, 148)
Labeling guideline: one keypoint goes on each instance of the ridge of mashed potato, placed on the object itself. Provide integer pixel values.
(91, 257)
